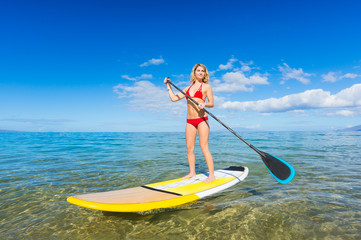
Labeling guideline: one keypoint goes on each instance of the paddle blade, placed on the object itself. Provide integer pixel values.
(282, 171)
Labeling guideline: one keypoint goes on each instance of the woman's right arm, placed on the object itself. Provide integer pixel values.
(172, 96)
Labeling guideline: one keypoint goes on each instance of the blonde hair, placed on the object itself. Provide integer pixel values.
(206, 75)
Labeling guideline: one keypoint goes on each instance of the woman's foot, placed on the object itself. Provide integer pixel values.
(190, 175)
(209, 179)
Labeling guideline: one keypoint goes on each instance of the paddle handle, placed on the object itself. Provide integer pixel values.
(224, 125)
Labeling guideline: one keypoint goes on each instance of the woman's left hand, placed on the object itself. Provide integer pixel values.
(201, 105)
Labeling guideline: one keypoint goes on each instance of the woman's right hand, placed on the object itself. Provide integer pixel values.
(166, 80)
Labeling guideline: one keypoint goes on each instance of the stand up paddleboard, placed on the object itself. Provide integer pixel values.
(166, 194)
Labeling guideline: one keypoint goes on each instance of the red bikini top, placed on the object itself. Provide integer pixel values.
(197, 94)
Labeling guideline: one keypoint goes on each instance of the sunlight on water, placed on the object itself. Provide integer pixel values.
(40, 170)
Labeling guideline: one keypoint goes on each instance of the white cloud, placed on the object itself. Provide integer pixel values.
(141, 77)
(310, 99)
(350, 75)
(293, 73)
(152, 61)
(298, 113)
(145, 95)
(246, 66)
(227, 66)
(129, 78)
(330, 77)
(342, 113)
(237, 81)
(336, 76)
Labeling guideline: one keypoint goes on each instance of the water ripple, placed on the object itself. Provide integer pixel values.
(40, 170)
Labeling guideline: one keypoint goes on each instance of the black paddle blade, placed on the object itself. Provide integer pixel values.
(282, 171)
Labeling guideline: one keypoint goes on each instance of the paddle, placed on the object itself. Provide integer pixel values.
(282, 171)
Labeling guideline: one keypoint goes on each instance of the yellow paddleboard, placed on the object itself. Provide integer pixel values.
(162, 194)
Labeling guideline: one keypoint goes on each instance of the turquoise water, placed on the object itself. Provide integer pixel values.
(40, 170)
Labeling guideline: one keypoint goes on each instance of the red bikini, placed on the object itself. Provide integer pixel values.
(198, 94)
(196, 121)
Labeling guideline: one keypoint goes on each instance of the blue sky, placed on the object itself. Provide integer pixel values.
(100, 65)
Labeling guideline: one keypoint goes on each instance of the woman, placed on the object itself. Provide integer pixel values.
(197, 119)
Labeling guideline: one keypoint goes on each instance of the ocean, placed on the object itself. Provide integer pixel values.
(40, 170)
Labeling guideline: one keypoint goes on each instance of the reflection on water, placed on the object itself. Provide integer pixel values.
(40, 170)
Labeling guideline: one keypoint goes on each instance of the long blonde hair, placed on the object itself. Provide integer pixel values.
(206, 75)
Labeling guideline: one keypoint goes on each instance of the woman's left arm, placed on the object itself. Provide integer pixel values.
(209, 95)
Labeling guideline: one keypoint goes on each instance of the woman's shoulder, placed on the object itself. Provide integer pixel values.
(186, 88)
(206, 85)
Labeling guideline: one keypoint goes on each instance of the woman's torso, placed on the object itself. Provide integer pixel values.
(198, 94)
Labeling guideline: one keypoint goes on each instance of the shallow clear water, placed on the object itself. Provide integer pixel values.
(40, 170)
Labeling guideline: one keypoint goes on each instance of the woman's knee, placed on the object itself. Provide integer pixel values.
(204, 147)
(190, 148)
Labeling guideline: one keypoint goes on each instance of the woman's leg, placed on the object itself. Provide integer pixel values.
(191, 133)
(203, 133)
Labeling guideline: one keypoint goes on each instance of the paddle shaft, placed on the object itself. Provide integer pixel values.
(224, 125)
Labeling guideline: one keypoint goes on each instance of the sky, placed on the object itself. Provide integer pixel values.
(99, 66)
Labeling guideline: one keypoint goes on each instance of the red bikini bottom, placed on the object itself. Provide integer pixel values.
(196, 121)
